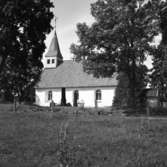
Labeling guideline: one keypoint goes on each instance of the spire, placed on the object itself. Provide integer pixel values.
(54, 49)
(53, 53)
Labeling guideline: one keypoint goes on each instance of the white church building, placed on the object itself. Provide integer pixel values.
(67, 79)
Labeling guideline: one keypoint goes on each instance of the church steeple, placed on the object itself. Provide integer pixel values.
(53, 57)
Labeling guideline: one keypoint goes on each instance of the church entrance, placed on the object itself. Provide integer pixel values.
(63, 97)
(75, 98)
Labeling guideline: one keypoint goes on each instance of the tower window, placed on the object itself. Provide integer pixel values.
(48, 61)
(53, 61)
(50, 95)
(98, 94)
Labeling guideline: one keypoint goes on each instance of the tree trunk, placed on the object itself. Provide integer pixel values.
(160, 95)
(14, 104)
(132, 85)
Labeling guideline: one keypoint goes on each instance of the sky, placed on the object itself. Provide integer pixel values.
(68, 14)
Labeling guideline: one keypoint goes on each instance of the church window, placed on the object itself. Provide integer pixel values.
(98, 94)
(53, 61)
(50, 95)
(48, 61)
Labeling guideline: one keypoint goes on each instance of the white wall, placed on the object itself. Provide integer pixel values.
(42, 96)
(87, 95)
(50, 65)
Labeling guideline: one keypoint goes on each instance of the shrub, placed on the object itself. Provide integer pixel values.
(158, 111)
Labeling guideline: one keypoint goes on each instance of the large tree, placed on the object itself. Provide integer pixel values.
(122, 94)
(159, 75)
(118, 40)
(23, 28)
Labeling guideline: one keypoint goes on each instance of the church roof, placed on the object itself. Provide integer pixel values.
(54, 49)
(70, 74)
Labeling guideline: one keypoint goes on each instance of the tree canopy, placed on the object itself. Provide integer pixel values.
(159, 74)
(23, 28)
(119, 39)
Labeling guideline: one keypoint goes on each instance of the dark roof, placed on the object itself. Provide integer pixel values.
(70, 74)
(54, 49)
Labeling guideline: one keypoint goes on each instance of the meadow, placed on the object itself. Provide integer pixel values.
(65, 139)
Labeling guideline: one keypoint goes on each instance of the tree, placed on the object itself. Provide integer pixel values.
(163, 21)
(118, 40)
(159, 74)
(122, 97)
(23, 28)
(121, 92)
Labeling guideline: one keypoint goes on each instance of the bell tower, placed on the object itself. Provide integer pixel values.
(53, 57)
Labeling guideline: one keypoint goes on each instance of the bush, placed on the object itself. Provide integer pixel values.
(158, 111)
(138, 111)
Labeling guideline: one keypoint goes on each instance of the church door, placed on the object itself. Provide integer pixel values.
(63, 96)
(75, 98)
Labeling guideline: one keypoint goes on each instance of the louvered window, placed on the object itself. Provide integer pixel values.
(53, 61)
(48, 61)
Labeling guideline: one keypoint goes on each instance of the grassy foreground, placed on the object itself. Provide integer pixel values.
(44, 139)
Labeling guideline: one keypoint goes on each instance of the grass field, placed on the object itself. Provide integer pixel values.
(45, 139)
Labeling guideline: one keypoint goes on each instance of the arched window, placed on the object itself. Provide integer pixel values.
(50, 95)
(98, 94)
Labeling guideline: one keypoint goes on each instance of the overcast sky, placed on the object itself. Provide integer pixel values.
(69, 13)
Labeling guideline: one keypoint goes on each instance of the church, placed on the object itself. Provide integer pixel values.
(66, 81)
